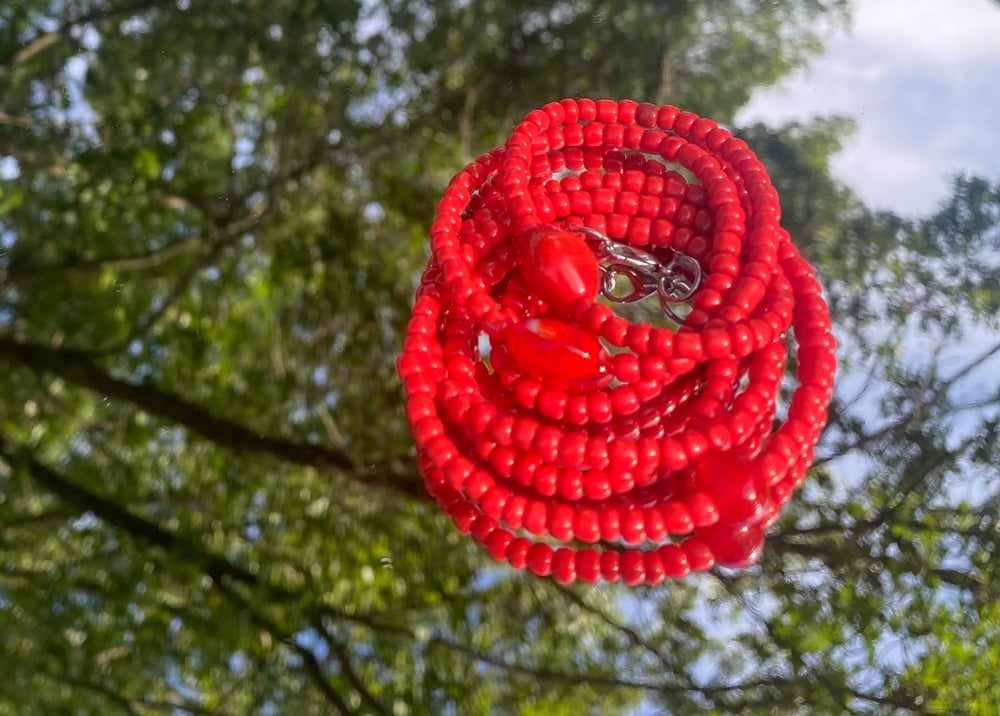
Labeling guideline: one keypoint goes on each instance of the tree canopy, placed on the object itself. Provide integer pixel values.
(212, 219)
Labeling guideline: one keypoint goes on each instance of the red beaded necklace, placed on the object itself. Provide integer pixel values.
(662, 458)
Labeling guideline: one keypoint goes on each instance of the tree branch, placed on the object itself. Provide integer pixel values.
(120, 518)
(313, 668)
(78, 367)
(347, 668)
(630, 634)
(121, 264)
(47, 39)
(127, 706)
(919, 411)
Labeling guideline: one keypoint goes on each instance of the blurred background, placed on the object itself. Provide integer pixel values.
(212, 217)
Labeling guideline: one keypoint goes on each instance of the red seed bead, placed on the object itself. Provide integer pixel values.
(588, 565)
(576, 412)
(494, 501)
(615, 330)
(599, 407)
(695, 444)
(610, 566)
(597, 485)
(653, 567)
(573, 448)
(517, 552)
(587, 524)
(564, 565)
(624, 400)
(545, 480)
(633, 527)
(703, 509)
(699, 554)
(513, 511)
(462, 514)
(535, 518)
(546, 442)
(676, 517)
(633, 568)
(719, 438)
(482, 528)
(672, 455)
(498, 544)
(540, 557)
(621, 482)
(610, 520)
(477, 485)
(560, 521)
(626, 367)
(552, 403)
(526, 393)
(656, 527)
(523, 431)
(674, 561)
(570, 485)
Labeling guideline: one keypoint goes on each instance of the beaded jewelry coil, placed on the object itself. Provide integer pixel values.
(569, 440)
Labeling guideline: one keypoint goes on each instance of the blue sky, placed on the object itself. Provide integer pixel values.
(922, 79)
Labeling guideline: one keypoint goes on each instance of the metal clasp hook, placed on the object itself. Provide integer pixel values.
(674, 281)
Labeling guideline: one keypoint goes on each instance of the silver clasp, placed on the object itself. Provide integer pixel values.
(674, 281)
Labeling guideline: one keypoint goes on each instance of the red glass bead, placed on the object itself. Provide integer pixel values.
(741, 494)
(559, 267)
(699, 554)
(513, 511)
(655, 573)
(596, 485)
(610, 520)
(463, 514)
(633, 527)
(676, 517)
(633, 568)
(656, 528)
(545, 480)
(703, 509)
(517, 552)
(674, 561)
(551, 404)
(610, 566)
(482, 528)
(494, 501)
(735, 547)
(558, 354)
(560, 521)
(564, 565)
(498, 543)
(587, 524)
(535, 518)
(540, 559)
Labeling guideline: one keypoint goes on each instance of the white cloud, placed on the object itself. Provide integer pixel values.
(922, 78)
(952, 32)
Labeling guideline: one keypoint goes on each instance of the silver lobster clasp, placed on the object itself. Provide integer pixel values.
(674, 281)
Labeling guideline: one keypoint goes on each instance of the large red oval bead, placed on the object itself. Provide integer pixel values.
(559, 268)
(558, 354)
(735, 547)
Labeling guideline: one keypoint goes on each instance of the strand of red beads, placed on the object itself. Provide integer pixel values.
(662, 458)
